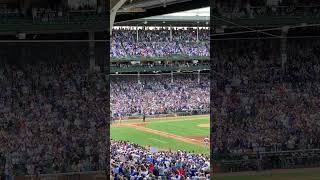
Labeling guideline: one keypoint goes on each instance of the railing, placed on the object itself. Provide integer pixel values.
(180, 57)
(269, 160)
(67, 19)
(157, 68)
(91, 175)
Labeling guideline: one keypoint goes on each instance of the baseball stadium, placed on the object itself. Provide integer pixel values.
(160, 95)
(264, 90)
(159, 89)
(59, 92)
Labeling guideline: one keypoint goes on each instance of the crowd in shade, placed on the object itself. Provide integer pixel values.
(8, 11)
(252, 9)
(159, 42)
(52, 118)
(53, 14)
(46, 14)
(49, 13)
(132, 161)
(158, 94)
(263, 101)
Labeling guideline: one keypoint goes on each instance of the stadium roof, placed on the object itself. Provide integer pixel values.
(196, 17)
(203, 12)
(137, 9)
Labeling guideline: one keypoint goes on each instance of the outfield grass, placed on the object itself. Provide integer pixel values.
(180, 126)
(154, 140)
(183, 128)
(292, 174)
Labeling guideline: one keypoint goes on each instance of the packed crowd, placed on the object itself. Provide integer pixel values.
(46, 14)
(263, 102)
(52, 118)
(58, 13)
(8, 11)
(51, 13)
(157, 94)
(132, 161)
(159, 42)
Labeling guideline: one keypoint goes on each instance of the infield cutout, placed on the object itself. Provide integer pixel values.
(203, 125)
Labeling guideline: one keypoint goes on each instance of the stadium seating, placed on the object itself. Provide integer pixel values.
(157, 94)
(265, 104)
(157, 43)
(47, 111)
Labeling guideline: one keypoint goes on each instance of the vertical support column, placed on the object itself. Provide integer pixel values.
(198, 33)
(171, 76)
(65, 4)
(139, 81)
(137, 33)
(92, 59)
(113, 12)
(283, 46)
(22, 53)
(170, 33)
(24, 5)
(102, 4)
(22, 36)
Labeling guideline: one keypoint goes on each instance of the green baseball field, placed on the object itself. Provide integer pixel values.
(173, 133)
(283, 174)
(187, 133)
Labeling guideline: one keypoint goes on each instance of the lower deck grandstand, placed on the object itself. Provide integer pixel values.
(47, 111)
(158, 94)
(265, 105)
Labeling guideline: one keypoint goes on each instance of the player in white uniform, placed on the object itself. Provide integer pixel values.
(206, 141)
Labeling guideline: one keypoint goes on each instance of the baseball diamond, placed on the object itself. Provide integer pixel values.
(172, 133)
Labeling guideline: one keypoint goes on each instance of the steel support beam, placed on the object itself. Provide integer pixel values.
(113, 13)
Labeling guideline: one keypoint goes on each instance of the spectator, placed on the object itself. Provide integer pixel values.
(158, 95)
(52, 118)
(157, 43)
(262, 103)
(133, 161)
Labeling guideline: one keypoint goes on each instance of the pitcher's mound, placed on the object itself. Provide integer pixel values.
(204, 125)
